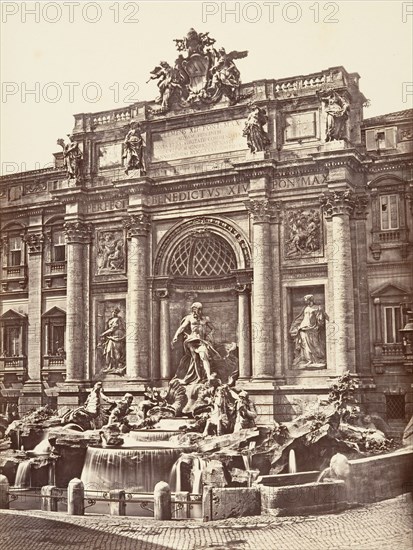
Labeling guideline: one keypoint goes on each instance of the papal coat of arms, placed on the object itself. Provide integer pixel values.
(201, 74)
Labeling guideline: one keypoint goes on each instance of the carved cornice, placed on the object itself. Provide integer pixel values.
(338, 203)
(34, 242)
(78, 231)
(263, 211)
(137, 225)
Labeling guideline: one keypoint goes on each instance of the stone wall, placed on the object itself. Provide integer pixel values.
(381, 477)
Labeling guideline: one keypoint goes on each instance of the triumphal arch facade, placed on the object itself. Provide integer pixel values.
(275, 204)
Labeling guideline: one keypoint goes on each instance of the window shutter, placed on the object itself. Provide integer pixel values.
(390, 137)
(371, 144)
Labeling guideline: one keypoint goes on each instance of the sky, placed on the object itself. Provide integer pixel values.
(83, 57)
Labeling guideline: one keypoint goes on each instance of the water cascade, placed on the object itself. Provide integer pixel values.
(135, 469)
(292, 465)
(23, 474)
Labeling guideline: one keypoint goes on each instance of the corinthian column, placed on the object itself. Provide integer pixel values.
(137, 310)
(78, 234)
(34, 243)
(262, 310)
(244, 330)
(338, 206)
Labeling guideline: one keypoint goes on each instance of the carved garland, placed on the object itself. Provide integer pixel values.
(202, 221)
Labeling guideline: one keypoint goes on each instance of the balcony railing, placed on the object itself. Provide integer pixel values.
(15, 364)
(392, 350)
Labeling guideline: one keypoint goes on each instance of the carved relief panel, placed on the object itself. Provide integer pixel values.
(303, 233)
(110, 252)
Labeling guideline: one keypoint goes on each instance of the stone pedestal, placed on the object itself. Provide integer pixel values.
(137, 310)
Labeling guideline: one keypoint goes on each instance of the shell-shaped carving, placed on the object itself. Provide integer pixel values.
(176, 396)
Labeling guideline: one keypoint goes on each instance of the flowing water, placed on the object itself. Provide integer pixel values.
(292, 465)
(23, 474)
(135, 469)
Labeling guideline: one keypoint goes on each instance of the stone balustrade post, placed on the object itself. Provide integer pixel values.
(162, 501)
(4, 493)
(76, 498)
(49, 494)
(117, 508)
(137, 307)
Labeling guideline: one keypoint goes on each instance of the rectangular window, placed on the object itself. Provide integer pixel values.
(392, 324)
(59, 245)
(12, 341)
(15, 251)
(389, 212)
(395, 407)
(57, 339)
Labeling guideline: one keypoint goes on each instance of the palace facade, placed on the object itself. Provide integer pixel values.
(99, 266)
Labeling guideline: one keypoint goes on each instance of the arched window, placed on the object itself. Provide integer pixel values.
(205, 255)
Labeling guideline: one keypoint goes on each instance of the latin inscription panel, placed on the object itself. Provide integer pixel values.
(206, 139)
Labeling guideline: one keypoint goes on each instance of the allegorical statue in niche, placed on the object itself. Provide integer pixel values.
(113, 344)
(72, 158)
(133, 149)
(337, 109)
(110, 256)
(197, 329)
(308, 331)
(257, 137)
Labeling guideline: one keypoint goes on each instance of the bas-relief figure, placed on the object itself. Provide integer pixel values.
(308, 331)
(72, 158)
(257, 137)
(303, 232)
(113, 344)
(134, 149)
(337, 109)
(202, 76)
(111, 252)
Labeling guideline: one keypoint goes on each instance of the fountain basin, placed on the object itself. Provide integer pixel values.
(281, 480)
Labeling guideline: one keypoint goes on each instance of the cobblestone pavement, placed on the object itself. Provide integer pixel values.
(381, 526)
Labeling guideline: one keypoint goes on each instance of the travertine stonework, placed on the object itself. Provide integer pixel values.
(245, 215)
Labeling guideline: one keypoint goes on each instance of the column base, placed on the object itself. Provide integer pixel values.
(72, 394)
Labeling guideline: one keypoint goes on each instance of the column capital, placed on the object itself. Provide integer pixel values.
(77, 231)
(338, 203)
(34, 242)
(137, 225)
(242, 288)
(161, 293)
(361, 204)
(263, 211)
